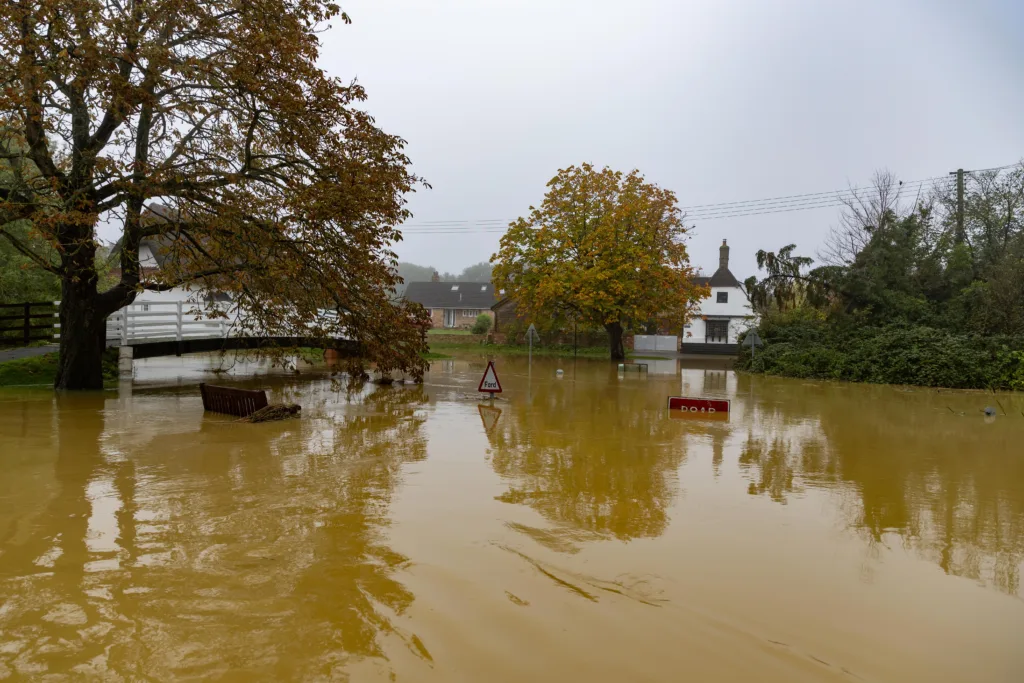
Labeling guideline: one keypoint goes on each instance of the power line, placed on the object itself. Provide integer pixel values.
(834, 200)
(731, 209)
(701, 212)
(712, 211)
(997, 168)
(851, 190)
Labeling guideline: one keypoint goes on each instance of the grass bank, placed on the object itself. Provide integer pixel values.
(448, 331)
(522, 350)
(42, 370)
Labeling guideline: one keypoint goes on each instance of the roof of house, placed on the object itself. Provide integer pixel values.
(451, 294)
(723, 277)
(504, 301)
(159, 245)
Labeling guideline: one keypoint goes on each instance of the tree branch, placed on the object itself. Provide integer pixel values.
(26, 251)
(192, 277)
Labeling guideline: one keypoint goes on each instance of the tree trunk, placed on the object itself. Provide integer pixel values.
(615, 340)
(82, 334)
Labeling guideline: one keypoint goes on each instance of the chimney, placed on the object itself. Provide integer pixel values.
(723, 256)
(435, 277)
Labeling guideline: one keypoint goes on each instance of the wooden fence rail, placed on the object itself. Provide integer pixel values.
(21, 324)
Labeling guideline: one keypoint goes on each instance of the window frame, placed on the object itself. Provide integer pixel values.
(713, 329)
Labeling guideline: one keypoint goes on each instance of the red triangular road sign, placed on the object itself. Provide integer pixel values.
(489, 382)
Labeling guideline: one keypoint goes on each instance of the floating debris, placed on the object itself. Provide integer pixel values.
(275, 411)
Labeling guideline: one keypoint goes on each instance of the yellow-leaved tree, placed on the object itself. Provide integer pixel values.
(604, 248)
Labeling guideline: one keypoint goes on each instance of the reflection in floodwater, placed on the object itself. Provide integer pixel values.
(597, 459)
(190, 558)
(908, 466)
(570, 530)
(603, 460)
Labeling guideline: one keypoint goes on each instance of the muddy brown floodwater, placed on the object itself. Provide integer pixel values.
(573, 531)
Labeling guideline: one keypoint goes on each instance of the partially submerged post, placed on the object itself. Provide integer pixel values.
(752, 341)
(531, 332)
(125, 356)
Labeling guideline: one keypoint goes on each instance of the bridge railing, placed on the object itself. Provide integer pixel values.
(165, 320)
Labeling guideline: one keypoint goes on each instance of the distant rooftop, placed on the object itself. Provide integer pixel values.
(451, 294)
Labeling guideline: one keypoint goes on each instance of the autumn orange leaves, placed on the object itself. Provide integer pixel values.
(605, 249)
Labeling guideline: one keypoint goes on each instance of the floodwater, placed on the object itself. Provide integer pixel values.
(573, 531)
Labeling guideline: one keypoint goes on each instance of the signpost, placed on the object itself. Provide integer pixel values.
(752, 341)
(489, 383)
(708, 406)
(531, 333)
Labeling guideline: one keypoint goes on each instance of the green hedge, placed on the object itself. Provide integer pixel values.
(895, 354)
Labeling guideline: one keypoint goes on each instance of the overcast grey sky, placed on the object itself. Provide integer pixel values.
(719, 101)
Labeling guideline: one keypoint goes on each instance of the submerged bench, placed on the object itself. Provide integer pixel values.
(240, 402)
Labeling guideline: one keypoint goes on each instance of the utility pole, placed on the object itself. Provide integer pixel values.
(960, 236)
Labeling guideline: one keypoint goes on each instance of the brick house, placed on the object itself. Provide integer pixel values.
(453, 305)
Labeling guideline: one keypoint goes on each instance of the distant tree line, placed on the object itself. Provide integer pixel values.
(911, 290)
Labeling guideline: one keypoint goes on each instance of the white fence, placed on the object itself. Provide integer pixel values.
(655, 342)
(154, 321)
(165, 320)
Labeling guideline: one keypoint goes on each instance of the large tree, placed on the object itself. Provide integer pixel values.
(278, 186)
(604, 248)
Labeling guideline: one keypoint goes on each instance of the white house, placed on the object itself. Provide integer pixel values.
(156, 314)
(723, 315)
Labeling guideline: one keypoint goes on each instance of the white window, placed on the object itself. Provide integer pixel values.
(483, 288)
(145, 307)
(455, 288)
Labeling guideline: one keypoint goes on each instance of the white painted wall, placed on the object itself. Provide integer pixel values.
(146, 259)
(176, 294)
(737, 309)
(652, 342)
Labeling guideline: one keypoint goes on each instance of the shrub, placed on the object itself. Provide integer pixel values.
(893, 354)
(482, 324)
(1011, 365)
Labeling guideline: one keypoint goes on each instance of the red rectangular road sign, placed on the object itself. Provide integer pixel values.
(698, 405)
(700, 417)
